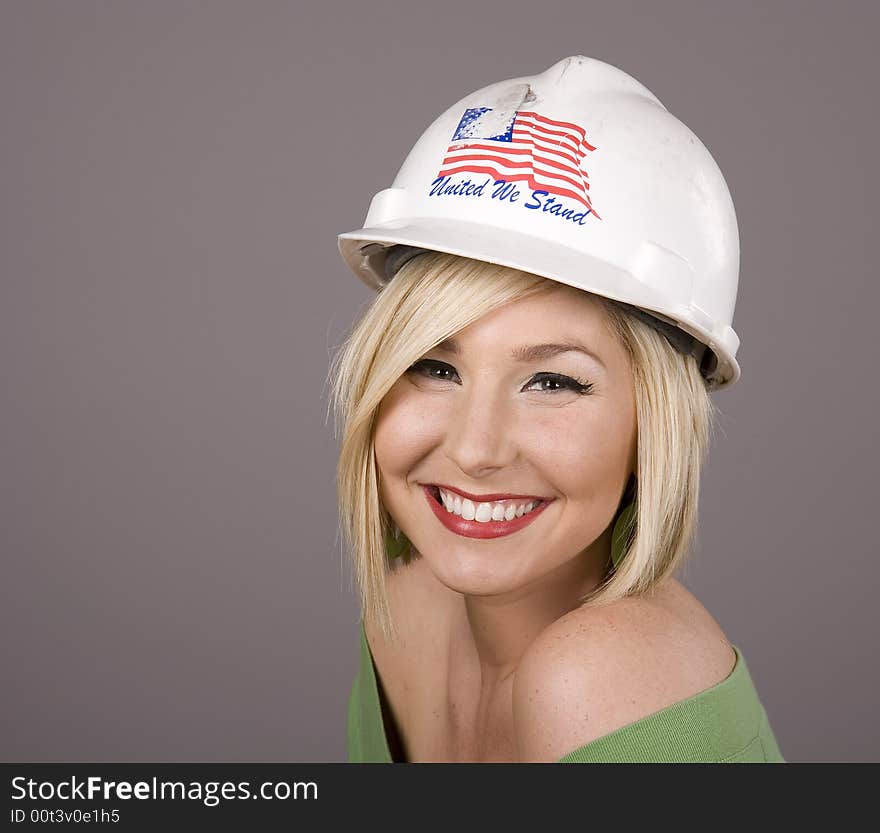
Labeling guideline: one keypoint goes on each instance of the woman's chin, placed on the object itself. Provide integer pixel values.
(473, 574)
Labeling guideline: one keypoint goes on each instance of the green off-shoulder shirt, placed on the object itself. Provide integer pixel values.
(723, 724)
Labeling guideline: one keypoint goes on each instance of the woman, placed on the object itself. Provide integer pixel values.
(524, 412)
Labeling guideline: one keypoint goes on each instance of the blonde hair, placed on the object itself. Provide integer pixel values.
(434, 296)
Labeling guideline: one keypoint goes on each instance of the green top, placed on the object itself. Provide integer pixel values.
(723, 724)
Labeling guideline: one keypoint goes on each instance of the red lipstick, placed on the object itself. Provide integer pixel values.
(477, 529)
(489, 498)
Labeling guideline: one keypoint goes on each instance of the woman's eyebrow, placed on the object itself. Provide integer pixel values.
(530, 352)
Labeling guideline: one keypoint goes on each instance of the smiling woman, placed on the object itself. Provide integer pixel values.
(518, 482)
(556, 433)
(459, 423)
(573, 413)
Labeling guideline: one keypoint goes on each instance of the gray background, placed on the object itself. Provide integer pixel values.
(173, 176)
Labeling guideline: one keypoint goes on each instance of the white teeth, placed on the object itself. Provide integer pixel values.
(486, 511)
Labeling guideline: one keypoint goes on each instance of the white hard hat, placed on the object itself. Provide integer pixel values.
(578, 174)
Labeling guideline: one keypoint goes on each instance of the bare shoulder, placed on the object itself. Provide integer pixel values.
(596, 670)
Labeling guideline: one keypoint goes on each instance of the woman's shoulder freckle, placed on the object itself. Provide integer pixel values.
(596, 670)
(667, 643)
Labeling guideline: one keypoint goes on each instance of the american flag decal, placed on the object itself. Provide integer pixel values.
(523, 146)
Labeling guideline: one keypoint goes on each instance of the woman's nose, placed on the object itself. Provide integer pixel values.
(479, 435)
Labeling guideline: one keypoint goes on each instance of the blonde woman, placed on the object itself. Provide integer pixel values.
(524, 410)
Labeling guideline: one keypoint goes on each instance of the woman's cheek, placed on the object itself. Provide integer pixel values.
(566, 434)
(408, 426)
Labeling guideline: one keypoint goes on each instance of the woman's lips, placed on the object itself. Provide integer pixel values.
(477, 529)
(488, 498)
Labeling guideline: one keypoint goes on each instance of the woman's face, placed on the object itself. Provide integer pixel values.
(475, 418)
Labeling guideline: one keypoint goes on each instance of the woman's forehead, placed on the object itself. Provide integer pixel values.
(556, 314)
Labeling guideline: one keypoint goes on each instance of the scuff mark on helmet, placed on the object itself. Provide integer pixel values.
(497, 119)
(565, 66)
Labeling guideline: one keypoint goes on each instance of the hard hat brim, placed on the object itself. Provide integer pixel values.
(364, 252)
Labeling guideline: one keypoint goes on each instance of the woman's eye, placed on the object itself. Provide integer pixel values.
(557, 382)
(431, 369)
(546, 382)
